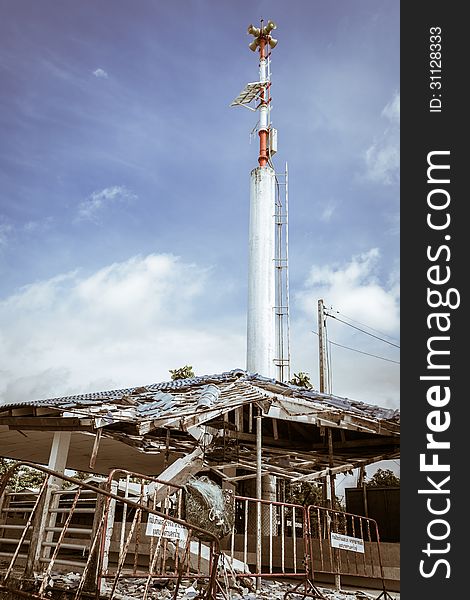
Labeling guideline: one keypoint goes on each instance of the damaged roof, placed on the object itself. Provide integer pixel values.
(181, 396)
(203, 410)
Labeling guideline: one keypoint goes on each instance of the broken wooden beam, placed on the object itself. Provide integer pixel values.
(176, 474)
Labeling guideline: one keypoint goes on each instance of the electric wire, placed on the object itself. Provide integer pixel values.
(366, 353)
(338, 312)
(361, 351)
(363, 324)
(363, 330)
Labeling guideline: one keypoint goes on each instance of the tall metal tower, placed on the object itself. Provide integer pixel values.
(267, 333)
(268, 317)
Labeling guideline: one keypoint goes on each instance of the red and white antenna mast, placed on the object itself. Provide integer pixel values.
(261, 317)
(266, 260)
(263, 42)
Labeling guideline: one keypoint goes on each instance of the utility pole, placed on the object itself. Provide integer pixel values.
(322, 345)
(323, 388)
(322, 369)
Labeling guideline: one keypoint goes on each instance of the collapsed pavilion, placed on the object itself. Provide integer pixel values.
(179, 428)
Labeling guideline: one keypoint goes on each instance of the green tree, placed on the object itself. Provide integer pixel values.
(383, 478)
(308, 493)
(27, 478)
(301, 379)
(24, 478)
(182, 373)
(304, 493)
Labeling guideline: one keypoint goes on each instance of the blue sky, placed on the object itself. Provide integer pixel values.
(124, 188)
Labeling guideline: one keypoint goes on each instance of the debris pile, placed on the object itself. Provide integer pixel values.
(133, 588)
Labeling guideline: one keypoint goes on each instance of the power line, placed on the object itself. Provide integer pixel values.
(366, 353)
(364, 324)
(363, 330)
(362, 352)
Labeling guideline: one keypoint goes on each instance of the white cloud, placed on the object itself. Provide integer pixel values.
(355, 290)
(355, 287)
(5, 230)
(382, 158)
(38, 226)
(327, 213)
(91, 208)
(383, 161)
(392, 109)
(124, 325)
(100, 73)
(393, 220)
(130, 322)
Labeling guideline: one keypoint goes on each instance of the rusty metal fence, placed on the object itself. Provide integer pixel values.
(132, 528)
(344, 544)
(278, 549)
(151, 540)
(174, 547)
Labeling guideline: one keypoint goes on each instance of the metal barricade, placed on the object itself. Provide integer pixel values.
(278, 549)
(136, 544)
(142, 549)
(132, 528)
(344, 544)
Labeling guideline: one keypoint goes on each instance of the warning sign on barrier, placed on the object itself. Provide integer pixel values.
(345, 542)
(159, 527)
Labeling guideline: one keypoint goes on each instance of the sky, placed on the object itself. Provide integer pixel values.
(124, 189)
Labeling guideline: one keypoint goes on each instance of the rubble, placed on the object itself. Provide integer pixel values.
(131, 588)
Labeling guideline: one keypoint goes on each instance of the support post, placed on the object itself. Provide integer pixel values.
(259, 493)
(57, 462)
(331, 464)
(361, 476)
(333, 496)
(90, 584)
(238, 412)
(324, 491)
(110, 507)
(364, 496)
(59, 451)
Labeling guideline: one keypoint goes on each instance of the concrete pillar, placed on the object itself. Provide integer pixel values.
(59, 451)
(269, 492)
(57, 462)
